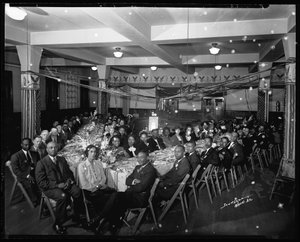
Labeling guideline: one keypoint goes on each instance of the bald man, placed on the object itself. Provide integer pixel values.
(56, 180)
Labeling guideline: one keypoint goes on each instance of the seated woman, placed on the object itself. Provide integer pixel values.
(130, 147)
(115, 149)
(166, 137)
(177, 138)
(187, 137)
(92, 180)
(143, 144)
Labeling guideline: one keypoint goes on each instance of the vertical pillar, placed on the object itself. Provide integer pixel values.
(30, 57)
(126, 101)
(289, 45)
(103, 73)
(263, 95)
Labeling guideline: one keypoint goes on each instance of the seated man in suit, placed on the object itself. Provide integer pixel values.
(225, 155)
(170, 181)
(262, 138)
(248, 142)
(192, 155)
(54, 137)
(210, 155)
(37, 146)
(140, 182)
(44, 134)
(155, 142)
(56, 180)
(236, 149)
(23, 164)
(62, 134)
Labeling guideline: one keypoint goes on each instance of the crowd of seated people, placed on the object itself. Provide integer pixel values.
(38, 168)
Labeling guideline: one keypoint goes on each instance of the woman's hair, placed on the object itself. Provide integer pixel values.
(86, 152)
(131, 135)
(112, 138)
(166, 128)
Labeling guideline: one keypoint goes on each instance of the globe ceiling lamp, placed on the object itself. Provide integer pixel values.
(15, 13)
(153, 68)
(94, 68)
(118, 53)
(218, 67)
(214, 50)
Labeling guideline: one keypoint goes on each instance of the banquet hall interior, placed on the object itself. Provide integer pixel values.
(220, 69)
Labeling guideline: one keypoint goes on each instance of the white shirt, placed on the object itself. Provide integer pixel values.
(91, 175)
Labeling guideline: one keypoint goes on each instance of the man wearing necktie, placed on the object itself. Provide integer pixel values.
(170, 181)
(23, 165)
(139, 184)
(210, 156)
(192, 155)
(236, 149)
(56, 180)
(37, 146)
(155, 142)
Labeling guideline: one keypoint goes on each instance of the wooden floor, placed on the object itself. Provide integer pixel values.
(258, 217)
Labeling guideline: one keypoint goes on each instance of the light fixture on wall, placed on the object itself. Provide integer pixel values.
(14, 12)
(214, 50)
(118, 53)
(218, 67)
(153, 68)
(94, 68)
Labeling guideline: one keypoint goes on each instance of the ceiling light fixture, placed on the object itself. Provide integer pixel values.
(14, 12)
(94, 68)
(153, 68)
(214, 50)
(218, 67)
(118, 53)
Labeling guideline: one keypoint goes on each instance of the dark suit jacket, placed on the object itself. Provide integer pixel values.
(47, 175)
(175, 140)
(63, 136)
(153, 145)
(141, 146)
(59, 142)
(21, 167)
(226, 162)
(237, 148)
(211, 157)
(193, 137)
(126, 148)
(248, 144)
(141, 190)
(42, 152)
(171, 180)
(194, 160)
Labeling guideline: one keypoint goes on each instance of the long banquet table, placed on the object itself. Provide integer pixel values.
(117, 172)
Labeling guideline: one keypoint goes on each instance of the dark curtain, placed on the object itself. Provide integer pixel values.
(52, 95)
(9, 138)
(84, 95)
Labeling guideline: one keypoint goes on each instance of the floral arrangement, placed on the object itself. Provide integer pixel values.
(89, 134)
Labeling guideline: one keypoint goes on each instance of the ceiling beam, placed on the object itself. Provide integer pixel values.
(220, 59)
(80, 55)
(136, 61)
(62, 62)
(291, 22)
(83, 36)
(173, 33)
(131, 70)
(271, 46)
(135, 28)
(16, 36)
